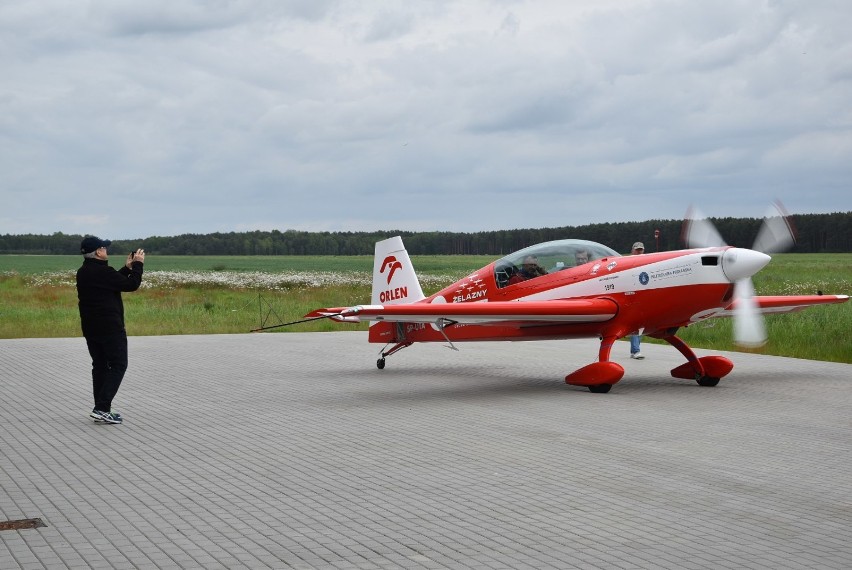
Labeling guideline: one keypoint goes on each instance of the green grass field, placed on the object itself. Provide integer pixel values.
(224, 294)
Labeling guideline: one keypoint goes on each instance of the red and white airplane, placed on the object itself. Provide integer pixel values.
(579, 289)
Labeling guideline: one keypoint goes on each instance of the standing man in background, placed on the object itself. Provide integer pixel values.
(638, 249)
(99, 289)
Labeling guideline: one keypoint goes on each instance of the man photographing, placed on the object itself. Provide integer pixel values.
(99, 289)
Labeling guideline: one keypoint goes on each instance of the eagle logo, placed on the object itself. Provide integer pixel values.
(391, 264)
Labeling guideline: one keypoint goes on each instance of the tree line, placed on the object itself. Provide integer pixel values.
(816, 233)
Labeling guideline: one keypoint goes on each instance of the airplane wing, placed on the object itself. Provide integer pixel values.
(786, 303)
(480, 313)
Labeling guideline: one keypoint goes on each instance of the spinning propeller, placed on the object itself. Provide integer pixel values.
(739, 264)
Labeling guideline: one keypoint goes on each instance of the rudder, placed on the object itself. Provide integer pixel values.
(394, 279)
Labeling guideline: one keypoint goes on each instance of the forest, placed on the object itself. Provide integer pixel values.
(816, 233)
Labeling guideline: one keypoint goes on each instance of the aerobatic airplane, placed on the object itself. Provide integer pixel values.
(573, 288)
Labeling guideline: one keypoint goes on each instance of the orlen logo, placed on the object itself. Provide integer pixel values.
(392, 264)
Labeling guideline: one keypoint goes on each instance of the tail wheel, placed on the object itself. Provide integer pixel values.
(380, 364)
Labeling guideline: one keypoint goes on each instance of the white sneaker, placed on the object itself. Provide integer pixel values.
(637, 355)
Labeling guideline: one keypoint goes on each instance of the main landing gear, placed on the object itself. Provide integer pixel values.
(706, 371)
(599, 377)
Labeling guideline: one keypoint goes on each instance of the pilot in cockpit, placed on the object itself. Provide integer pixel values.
(529, 269)
(581, 256)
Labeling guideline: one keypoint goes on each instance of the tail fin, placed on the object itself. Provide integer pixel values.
(394, 280)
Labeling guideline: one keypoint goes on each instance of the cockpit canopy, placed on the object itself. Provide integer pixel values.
(548, 257)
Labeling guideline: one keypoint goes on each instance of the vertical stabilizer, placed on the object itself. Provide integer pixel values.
(394, 280)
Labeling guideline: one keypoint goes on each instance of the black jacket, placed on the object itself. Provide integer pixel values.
(99, 288)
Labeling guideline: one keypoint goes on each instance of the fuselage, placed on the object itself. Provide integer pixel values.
(654, 292)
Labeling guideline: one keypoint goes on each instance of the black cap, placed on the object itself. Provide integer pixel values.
(91, 243)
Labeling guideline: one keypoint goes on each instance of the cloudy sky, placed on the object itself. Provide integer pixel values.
(129, 118)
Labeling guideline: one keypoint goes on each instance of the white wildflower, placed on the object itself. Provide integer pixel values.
(242, 279)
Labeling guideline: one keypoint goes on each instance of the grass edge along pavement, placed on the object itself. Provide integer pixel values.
(222, 294)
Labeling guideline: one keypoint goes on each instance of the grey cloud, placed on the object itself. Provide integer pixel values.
(466, 116)
(389, 25)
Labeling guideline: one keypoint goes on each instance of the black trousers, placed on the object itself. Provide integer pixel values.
(109, 362)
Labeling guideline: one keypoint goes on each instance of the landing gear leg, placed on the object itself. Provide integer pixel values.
(380, 363)
(706, 371)
(600, 376)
